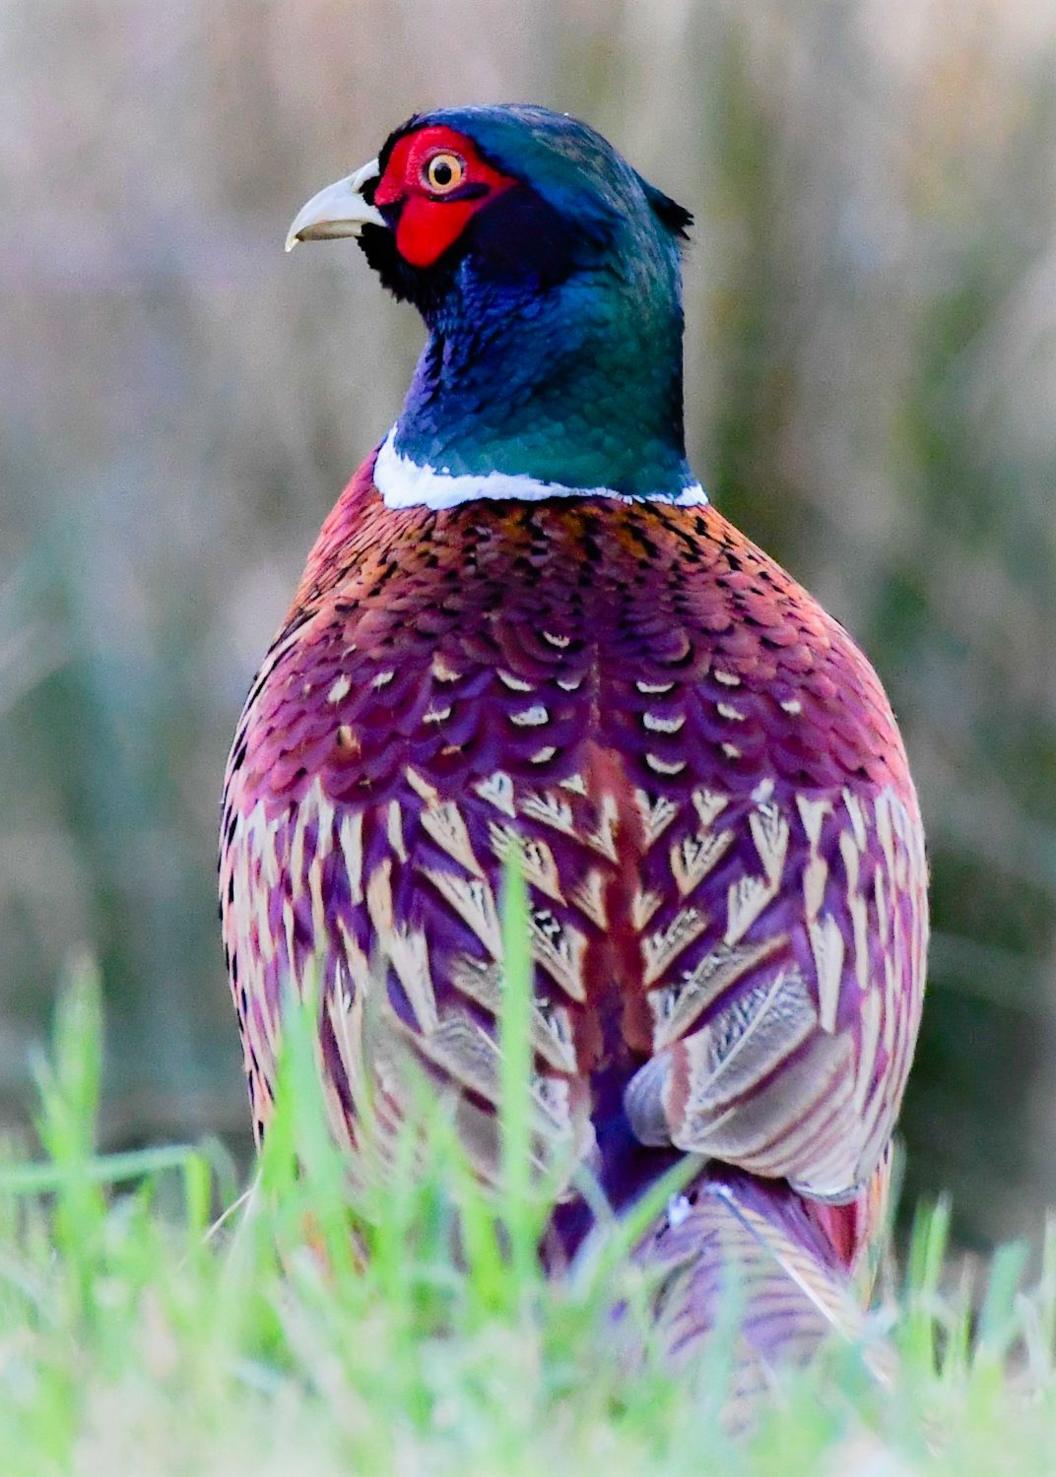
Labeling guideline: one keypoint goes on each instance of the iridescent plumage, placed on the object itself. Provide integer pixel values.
(713, 812)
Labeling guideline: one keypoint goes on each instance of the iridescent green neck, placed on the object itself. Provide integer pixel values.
(579, 385)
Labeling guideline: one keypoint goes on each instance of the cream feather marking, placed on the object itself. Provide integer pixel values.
(696, 855)
(603, 837)
(666, 767)
(709, 805)
(661, 948)
(659, 723)
(560, 950)
(588, 895)
(644, 903)
(857, 906)
(497, 789)
(870, 1017)
(551, 809)
(445, 824)
(656, 814)
(816, 872)
(826, 943)
(745, 901)
(474, 902)
(534, 717)
(536, 859)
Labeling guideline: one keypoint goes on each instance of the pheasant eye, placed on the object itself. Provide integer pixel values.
(444, 173)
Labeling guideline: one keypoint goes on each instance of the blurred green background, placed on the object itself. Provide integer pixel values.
(871, 347)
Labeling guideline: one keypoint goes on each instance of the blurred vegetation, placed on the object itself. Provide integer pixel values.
(403, 1325)
(871, 303)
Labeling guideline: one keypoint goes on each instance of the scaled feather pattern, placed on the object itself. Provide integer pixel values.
(710, 802)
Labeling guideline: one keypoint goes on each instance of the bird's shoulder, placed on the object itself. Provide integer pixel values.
(660, 633)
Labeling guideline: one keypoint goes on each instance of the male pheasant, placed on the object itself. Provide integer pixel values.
(523, 627)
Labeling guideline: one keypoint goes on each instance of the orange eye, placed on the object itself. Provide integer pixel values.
(444, 173)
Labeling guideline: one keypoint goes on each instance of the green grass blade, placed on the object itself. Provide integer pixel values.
(515, 1074)
(103, 1169)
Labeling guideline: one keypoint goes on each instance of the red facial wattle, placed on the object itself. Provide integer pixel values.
(431, 222)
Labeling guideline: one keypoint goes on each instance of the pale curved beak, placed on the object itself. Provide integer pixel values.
(337, 210)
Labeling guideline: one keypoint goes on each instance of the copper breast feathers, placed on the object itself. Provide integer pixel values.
(707, 792)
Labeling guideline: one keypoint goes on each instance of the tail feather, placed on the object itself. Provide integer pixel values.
(740, 1252)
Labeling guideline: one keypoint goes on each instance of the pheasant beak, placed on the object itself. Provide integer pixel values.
(338, 210)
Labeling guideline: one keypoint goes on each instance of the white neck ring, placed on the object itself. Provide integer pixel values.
(404, 483)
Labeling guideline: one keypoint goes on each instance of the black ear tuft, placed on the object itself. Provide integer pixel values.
(385, 152)
(675, 217)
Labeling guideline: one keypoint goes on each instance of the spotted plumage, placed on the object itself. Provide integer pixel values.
(697, 768)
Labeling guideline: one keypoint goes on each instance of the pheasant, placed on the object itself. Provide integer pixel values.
(524, 630)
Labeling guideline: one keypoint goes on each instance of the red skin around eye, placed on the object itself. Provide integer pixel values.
(429, 224)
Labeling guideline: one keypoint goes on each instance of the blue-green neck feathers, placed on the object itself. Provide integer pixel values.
(555, 335)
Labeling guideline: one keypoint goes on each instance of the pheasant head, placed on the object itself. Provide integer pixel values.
(548, 274)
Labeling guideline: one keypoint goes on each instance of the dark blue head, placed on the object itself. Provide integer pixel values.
(548, 274)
